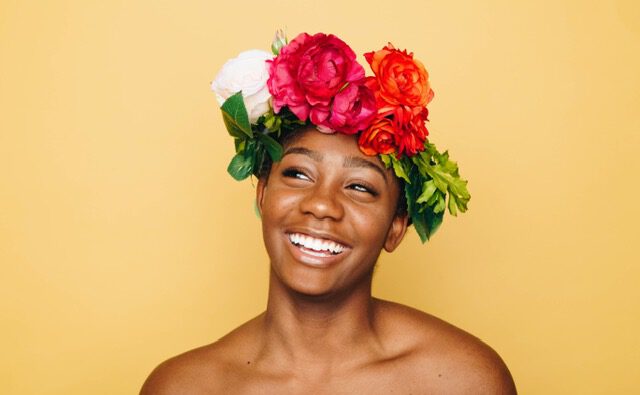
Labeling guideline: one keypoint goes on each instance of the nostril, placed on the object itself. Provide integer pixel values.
(323, 204)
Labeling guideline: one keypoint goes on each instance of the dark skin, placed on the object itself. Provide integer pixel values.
(322, 331)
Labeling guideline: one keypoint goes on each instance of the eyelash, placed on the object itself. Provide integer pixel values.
(364, 188)
(294, 173)
(299, 174)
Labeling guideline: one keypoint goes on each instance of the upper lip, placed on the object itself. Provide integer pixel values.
(318, 234)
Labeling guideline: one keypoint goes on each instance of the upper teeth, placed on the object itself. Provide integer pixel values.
(316, 244)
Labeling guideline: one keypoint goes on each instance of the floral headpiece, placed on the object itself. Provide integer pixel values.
(315, 79)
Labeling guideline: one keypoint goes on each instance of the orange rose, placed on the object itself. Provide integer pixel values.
(401, 79)
(378, 138)
(402, 132)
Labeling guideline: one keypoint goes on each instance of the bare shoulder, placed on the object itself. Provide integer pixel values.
(204, 370)
(444, 357)
(185, 373)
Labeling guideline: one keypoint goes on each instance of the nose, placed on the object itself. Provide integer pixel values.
(323, 202)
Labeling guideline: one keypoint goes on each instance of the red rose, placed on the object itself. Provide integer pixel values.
(310, 71)
(413, 131)
(401, 80)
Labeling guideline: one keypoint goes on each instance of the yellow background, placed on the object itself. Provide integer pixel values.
(123, 241)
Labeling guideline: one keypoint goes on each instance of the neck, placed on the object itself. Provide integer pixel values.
(320, 329)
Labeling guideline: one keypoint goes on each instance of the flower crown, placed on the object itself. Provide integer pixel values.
(315, 79)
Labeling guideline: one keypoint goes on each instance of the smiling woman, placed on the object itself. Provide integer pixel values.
(330, 207)
(339, 190)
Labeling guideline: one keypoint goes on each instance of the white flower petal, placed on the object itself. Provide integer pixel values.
(248, 72)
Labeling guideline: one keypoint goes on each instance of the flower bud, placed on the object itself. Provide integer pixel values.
(279, 41)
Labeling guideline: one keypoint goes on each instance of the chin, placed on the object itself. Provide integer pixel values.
(304, 280)
(318, 283)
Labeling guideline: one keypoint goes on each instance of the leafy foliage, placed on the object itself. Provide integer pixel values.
(430, 177)
(254, 142)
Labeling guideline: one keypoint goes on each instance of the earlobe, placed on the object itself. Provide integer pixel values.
(396, 232)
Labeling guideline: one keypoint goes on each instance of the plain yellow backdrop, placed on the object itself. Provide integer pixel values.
(123, 241)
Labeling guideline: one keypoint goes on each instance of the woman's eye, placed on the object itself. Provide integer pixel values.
(363, 188)
(295, 173)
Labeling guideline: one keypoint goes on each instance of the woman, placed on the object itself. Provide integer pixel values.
(328, 208)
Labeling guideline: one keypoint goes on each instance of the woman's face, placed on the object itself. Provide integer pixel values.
(327, 211)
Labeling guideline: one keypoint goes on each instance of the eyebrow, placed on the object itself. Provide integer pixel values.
(354, 161)
(315, 155)
(350, 161)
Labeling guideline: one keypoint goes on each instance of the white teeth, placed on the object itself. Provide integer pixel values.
(333, 247)
(316, 244)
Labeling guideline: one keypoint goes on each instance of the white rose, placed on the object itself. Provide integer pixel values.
(247, 73)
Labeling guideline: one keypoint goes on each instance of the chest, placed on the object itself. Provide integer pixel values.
(389, 380)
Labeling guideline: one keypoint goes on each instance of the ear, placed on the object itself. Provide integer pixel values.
(262, 185)
(396, 232)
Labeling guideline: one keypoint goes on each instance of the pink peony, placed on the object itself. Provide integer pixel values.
(313, 75)
(352, 109)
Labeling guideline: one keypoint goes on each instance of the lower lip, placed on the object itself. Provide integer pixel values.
(313, 258)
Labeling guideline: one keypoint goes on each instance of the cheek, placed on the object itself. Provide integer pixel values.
(276, 209)
(278, 203)
(372, 224)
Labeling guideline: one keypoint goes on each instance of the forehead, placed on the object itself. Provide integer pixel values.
(327, 144)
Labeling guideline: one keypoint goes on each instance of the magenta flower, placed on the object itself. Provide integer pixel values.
(319, 76)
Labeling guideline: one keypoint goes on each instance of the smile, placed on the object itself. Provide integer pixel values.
(314, 246)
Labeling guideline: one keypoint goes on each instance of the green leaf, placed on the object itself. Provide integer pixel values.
(411, 194)
(434, 198)
(241, 166)
(411, 191)
(453, 205)
(271, 121)
(434, 221)
(386, 159)
(426, 224)
(421, 227)
(235, 117)
(274, 148)
(428, 188)
(440, 205)
(258, 159)
(239, 144)
(399, 169)
(438, 176)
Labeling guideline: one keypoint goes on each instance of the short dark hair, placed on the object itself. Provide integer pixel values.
(285, 140)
